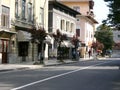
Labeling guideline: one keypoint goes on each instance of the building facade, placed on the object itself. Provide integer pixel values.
(116, 38)
(6, 32)
(61, 18)
(85, 22)
(19, 17)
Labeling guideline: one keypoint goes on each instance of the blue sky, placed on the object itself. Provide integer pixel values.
(100, 10)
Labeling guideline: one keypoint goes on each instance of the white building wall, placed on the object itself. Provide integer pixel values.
(57, 17)
(116, 36)
(86, 30)
(89, 31)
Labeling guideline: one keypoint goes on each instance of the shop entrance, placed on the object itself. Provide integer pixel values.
(4, 50)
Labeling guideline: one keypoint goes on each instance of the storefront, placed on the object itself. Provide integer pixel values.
(5, 45)
(65, 50)
(23, 39)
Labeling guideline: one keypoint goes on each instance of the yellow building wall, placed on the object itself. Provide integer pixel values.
(5, 2)
(84, 6)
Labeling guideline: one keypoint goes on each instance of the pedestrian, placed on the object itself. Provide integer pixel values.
(89, 52)
(74, 54)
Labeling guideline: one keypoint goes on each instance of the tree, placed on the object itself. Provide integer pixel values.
(97, 46)
(75, 41)
(113, 16)
(104, 35)
(59, 37)
(38, 36)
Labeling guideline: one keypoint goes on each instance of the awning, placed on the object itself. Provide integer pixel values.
(23, 36)
(48, 39)
(6, 34)
(66, 44)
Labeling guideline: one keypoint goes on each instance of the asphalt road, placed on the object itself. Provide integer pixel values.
(83, 75)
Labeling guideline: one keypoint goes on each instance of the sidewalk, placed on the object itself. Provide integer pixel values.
(29, 65)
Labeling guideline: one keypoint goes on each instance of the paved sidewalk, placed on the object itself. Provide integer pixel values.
(10, 67)
(29, 65)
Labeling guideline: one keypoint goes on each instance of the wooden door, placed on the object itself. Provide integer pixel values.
(4, 51)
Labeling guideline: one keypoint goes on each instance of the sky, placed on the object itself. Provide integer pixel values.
(100, 10)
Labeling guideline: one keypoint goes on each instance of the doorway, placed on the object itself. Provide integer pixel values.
(4, 51)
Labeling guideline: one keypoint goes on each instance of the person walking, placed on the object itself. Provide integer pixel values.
(89, 52)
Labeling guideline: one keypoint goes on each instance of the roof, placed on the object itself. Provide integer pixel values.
(64, 7)
(91, 18)
(74, 0)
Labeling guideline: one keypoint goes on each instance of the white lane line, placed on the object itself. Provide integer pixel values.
(46, 79)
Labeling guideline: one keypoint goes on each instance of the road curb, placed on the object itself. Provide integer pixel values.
(62, 63)
(6, 70)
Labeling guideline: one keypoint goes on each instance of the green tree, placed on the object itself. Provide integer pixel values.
(59, 37)
(104, 35)
(97, 46)
(113, 16)
(38, 36)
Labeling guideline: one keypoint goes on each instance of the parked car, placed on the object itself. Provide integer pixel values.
(108, 53)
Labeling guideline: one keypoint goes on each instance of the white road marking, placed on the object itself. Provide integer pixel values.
(49, 78)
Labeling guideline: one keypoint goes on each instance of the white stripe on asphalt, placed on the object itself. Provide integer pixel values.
(46, 79)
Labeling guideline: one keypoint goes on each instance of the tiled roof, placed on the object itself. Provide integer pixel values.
(73, 0)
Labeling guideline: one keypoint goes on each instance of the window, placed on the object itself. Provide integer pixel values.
(77, 8)
(78, 19)
(72, 27)
(23, 8)
(41, 16)
(5, 17)
(67, 26)
(16, 8)
(62, 24)
(1, 46)
(78, 32)
(29, 11)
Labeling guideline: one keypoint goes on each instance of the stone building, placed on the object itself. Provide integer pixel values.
(18, 18)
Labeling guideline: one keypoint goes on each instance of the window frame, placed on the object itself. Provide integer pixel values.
(5, 16)
(29, 12)
(23, 9)
(41, 16)
(16, 8)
